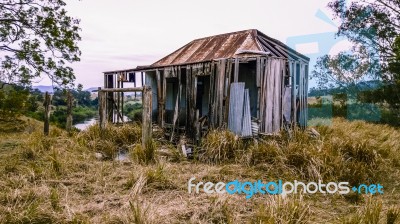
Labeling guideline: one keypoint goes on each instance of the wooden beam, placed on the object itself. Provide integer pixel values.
(112, 90)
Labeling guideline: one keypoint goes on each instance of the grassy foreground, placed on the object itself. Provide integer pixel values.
(59, 179)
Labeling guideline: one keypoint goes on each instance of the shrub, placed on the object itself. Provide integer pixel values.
(221, 146)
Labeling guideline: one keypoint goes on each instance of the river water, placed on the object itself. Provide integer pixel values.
(84, 125)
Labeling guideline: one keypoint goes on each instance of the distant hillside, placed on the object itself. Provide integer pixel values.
(44, 88)
(51, 90)
(361, 86)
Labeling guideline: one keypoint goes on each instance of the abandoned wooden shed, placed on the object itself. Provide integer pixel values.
(245, 81)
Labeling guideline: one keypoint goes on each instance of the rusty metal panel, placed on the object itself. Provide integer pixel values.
(243, 44)
(210, 48)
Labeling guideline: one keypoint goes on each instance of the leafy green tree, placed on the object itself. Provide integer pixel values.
(13, 102)
(37, 37)
(373, 27)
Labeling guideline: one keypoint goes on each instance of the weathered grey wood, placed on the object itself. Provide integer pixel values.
(102, 110)
(146, 118)
(69, 111)
(211, 101)
(246, 124)
(227, 89)
(277, 111)
(47, 105)
(190, 105)
(220, 90)
(295, 93)
(177, 103)
(236, 108)
(159, 97)
(264, 73)
(236, 74)
(270, 96)
(307, 70)
(258, 84)
(283, 76)
(287, 104)
(164, 99)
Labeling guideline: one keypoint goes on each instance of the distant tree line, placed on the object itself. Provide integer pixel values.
(17, 100)
(373, 28)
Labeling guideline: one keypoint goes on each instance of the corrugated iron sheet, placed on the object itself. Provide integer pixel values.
(236, 108)
(246, 43)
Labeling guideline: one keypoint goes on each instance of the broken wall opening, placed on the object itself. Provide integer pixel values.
(247, 74)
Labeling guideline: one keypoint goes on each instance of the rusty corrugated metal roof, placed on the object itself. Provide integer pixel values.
(246, 43)
(228, 45)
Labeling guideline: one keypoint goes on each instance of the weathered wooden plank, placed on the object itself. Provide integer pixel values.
(307, 71)
(189, 114)
(263, 113)
(258, 84)
(164, 97)
(176, 112)
(287, 104)
(227, 89)
(276, 116)
(220, 91)
(270, 97)
(146, 118)
(301, 96)
(283, 77)
(236, 74)
(246, 124)
(236, 108)
(211, 110)
(258, 72)
(295, 90)
(159, 97)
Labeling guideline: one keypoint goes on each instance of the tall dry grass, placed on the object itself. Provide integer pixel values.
(57, 179)
(112, 139)
(357, 152)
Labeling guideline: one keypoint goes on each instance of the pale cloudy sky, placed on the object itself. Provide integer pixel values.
(122, 34)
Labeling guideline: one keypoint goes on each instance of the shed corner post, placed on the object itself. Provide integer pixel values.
(146, 118)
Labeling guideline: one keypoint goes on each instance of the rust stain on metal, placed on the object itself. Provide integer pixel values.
(247, 43)
(226, 46)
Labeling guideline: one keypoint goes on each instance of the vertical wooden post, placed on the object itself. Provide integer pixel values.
(236, 74)
(146, 118)
(69, 111)
(46, 104)
(102, 109)
(159, 97)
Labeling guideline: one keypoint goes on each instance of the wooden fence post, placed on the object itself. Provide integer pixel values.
(146, 118)
(102, 109)
(69, 111)
(46, 104)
